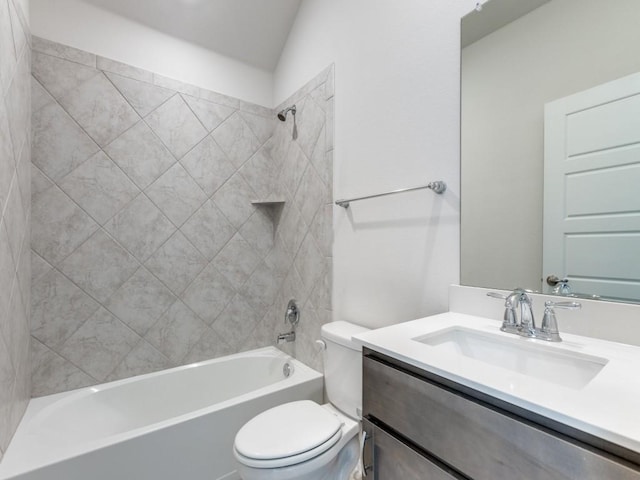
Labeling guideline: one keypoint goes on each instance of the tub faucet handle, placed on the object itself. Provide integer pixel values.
(292, 315)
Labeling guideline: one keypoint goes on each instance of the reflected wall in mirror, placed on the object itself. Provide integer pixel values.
(515, 60)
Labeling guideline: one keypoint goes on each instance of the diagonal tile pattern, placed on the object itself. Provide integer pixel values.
(147, 250)
(15, 213)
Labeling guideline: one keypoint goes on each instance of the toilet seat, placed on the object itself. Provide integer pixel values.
(287, 434)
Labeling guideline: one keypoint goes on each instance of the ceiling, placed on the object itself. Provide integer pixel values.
(252, 31)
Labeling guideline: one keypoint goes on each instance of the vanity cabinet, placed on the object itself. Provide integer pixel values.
(421, 426)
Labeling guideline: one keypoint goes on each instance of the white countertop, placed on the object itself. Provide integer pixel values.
(607, 407)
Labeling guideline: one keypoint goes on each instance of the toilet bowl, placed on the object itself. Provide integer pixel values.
(304, 440)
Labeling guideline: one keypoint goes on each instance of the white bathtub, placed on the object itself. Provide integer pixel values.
(174, 424)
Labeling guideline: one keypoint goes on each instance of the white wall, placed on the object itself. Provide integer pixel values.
(397, 125)
(89, 28)
(561, 48)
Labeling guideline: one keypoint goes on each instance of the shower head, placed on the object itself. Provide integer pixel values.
(282, 116)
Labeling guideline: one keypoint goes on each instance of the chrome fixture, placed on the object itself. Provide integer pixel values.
(549, 329)
(560, 286)
(437, 186)
(292, 315)
(526, 326)
(282, 116)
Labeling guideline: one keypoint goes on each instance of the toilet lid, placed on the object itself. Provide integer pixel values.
(288, 430)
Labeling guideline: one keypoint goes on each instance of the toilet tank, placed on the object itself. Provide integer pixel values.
(343, 367)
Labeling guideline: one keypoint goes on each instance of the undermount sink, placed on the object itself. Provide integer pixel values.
(567, 368)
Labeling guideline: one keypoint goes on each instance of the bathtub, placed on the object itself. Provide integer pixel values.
(174, 424)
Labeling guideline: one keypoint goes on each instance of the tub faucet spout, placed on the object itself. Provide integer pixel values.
(286, 337)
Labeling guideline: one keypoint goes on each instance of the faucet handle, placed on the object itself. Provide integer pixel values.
(510, 319)
(549, 328)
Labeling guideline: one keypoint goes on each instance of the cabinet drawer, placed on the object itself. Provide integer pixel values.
(393, 460)
(481, 442)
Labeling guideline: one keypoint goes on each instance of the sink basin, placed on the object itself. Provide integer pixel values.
(563, 367)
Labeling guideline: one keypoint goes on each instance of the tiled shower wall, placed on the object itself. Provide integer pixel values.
(15, 210)
(147, 251)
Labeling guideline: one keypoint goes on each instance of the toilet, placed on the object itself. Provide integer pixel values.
(304, 440)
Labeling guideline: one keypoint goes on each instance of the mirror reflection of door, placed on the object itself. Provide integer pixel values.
(592, 190)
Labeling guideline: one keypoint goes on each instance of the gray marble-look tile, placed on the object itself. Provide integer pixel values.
(140, 301)
(292, 228)
(23, 169)
(40, 98)
(113, 66)
(310, 195)
(311, 119)
(7, 272)
(177, 126)
(144, 358)
(209, 230)
(58, 75)
(323, 165)
(260, 289)
(58, 309)
(176, 263)
(210, 345)
(16, 330)
(292, 287)
(59, 226)
(330, 124)
(260, 173)
(15, 219)
(210, 114)
(218, 98)
(177, 194)
(258, 232)
(236, 139)
(63, 51)
(52, 373)
(208, 165)
(321, 293)
(39, 183)
(310, 262)
(236, 261)
(39, 267)
(7, 50)
(293, 169)
(234, 200)
(176, 85)
(99, 187)
(7, 380)
(330, 84)
(100, 344)
(7, 163)
(140, 154)
(140, 227)
(279, 259)
(59, 144)
(144, 97)
(236, 323)
(255, 109)
(262, 126)
(322, 229)
(16, 99)
(99, 266)
(100, 109)
(177, 332)
(281, 141)
(209, 294)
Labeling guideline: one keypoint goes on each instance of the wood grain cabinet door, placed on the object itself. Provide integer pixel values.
(388, 458)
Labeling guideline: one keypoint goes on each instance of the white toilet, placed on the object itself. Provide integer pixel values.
(304, 440)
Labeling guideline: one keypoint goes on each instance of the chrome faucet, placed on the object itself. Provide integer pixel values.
(526, 326)
(292, 315)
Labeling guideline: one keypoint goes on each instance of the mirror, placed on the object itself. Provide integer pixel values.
(517, 56)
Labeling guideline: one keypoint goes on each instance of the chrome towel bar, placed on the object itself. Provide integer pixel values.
(437, 186)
